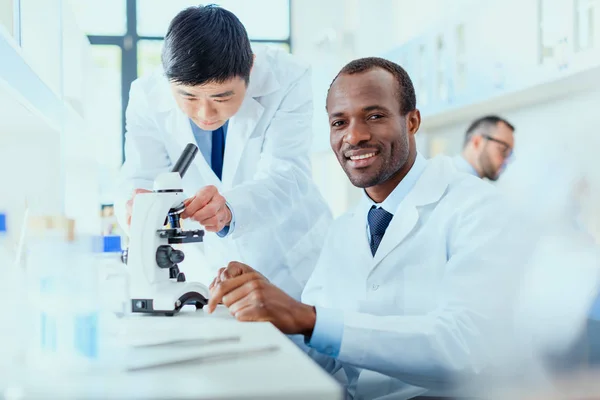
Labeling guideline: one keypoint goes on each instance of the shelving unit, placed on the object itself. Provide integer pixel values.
(21, 87)
(47, 152)
(503, 56)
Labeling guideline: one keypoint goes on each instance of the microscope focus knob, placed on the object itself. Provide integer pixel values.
(167, 257)
(177, 256)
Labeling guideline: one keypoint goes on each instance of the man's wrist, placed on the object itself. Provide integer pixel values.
(307, 317)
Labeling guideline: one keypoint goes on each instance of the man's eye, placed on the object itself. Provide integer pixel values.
(375, 116)
(337, 123)
(222, 101)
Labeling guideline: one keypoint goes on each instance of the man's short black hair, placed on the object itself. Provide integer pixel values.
(206, 44)
(406, 90)
(483, 125)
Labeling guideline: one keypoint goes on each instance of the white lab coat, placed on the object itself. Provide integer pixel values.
(280, 217)
(433, 306)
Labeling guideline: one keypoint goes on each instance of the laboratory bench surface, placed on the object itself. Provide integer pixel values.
(193, 355)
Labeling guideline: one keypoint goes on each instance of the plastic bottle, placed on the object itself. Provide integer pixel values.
(114, 290)
(113, 287)
(64, 303)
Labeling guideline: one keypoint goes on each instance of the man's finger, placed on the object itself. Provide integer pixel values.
(212, 221)
(217, 278)
(213, 283)
(224, 287)
(186, 204)
(245, 304)
(236, 295)
(207, 212)
(251, 314)
(234, 269)
(200, 199)
(211, 228)
(196, 204)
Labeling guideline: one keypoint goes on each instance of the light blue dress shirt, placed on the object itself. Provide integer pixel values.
(204, 142)
(329, 325)
(464, 166)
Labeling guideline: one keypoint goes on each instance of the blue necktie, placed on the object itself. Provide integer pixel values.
(218, 150)
(379, 219)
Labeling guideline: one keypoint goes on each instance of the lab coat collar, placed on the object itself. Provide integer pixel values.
(429, 189)
(241, 125)
(392, 202)
(262, 77)
(463, 165)
(239, 129)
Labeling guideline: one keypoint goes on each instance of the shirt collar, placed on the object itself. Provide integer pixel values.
(464, 166)
(392, 202)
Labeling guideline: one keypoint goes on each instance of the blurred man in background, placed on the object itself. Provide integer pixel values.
(488, 146)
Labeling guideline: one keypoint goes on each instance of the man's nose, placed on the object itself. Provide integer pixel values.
(357, 133)
(207, 112)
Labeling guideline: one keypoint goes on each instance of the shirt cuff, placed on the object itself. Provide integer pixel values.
(327, 334)
(228, 230)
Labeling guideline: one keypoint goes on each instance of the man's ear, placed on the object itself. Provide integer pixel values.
(476, 140)
(413, 121)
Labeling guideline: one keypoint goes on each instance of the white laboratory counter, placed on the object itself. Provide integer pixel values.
(232, 360)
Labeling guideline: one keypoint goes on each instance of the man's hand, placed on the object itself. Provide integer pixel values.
(231, 271)
(251, 297)
(130, 203)
(208, 208)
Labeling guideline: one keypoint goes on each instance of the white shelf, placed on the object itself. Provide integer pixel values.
(45, 124)
(26, 98)
(542, 84)
(470, 64)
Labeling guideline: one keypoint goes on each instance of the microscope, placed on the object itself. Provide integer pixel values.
(157, 286)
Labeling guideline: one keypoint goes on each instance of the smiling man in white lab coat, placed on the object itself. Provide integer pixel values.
(412, 292)
(250, 113)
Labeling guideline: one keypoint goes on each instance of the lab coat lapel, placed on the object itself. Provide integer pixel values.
(358, 243)
(182, 132)
(429, 189)
(240, 127)
(402, 223)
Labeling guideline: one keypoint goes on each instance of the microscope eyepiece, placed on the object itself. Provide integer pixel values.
(185, 159)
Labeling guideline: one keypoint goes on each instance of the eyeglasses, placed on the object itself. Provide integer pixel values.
(507, 151)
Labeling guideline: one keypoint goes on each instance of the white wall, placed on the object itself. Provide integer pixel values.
(327, 35)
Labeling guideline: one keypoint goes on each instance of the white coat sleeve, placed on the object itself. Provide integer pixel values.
(469, 328)
(145, 153)
(284, 174)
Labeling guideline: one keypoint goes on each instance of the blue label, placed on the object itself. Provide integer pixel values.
(86, 335)
(48, 332)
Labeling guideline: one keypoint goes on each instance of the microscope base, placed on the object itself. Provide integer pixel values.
(171, 301)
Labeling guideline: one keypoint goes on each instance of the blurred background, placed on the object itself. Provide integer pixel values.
(67, 65)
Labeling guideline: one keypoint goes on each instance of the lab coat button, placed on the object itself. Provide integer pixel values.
(375, 287)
